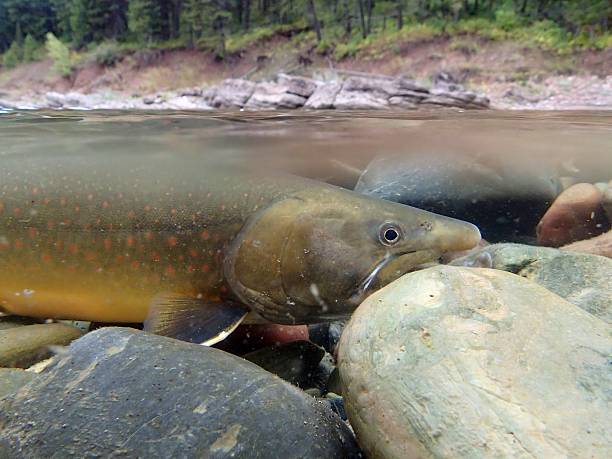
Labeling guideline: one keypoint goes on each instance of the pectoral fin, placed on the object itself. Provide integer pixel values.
(194, 320)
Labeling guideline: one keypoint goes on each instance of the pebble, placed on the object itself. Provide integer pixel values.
(576, 214)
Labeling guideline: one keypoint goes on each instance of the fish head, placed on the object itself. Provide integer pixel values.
(316, 256)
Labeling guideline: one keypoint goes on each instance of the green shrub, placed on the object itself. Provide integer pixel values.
(30, 49)
(106, 54)
(324, 47)
(60, 54)
(12, 56)
(506, 19)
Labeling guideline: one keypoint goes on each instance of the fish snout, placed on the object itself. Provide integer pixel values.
(452, 235)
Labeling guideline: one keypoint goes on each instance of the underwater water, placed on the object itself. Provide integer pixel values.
(261, 233)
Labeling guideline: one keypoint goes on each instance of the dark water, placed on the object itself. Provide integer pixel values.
(331, 146)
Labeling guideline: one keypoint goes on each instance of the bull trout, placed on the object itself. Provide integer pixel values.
(192, 250)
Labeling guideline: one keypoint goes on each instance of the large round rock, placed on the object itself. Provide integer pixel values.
(123, 393)
(580, 278)
(466, 362)
(503, 197)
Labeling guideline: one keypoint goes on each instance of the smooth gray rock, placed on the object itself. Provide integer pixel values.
(232, 93)
(469, 363)
(403, 102)
(300, 86)
(273, 96)
(13, 379)
(607, 202)
(504, 199)
(582, 279)
(323, 97)
(124, 393)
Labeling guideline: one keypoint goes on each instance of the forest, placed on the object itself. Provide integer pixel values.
(208, 24)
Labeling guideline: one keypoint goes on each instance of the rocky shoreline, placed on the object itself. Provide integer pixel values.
(355, 92)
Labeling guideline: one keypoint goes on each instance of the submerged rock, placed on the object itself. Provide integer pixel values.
(504, 199)
(580, 278)
(127, 393)
(576, 214)
(7, 322)
(21, 347)
(11, 380)
(294, 362)
(600, 245)
(458, 362)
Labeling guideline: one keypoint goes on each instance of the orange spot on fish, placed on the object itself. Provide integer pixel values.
(59, 245)
(4, 244)
(46, 201)
(107, 244)
(135, 265)
(18, 243)
(205, 234)
(193, 253)
(77, 209)
(190, 269)
(17, 211)
(172, 241)
(131, 214)
(131, 241)
(32, 232)
(170, 271)
(205, 268)
(46, 257)
(35, 190)
(50, 224)
(72, 268)
(147, 208)
(155, 256)
(91, 256)
(67, 222)
(173, 211)
(105, 205)
(90, 197)
(223, 289)
(148, 235)
(119, 258)
(72, 248)
(222, 207)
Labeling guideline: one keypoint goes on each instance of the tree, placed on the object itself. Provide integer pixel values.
(30, 47)
(60, 54)
(12, 56)
(144, 20)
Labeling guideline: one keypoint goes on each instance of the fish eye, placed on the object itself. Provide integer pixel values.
(390, 234)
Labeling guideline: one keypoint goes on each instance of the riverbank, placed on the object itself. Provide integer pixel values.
(509, 75)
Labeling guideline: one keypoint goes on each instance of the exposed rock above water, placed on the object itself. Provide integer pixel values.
(458, 362)
(580, 278)
(363, 92)
(128, 393)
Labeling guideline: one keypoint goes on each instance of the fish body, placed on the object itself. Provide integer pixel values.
(105, 238)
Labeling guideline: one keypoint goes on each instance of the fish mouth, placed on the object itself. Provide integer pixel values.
(391, 267)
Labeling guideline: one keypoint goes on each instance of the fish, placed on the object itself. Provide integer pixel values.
(191, 249)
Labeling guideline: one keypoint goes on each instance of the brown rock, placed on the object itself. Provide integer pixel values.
(600, 245)
(23, 346)
(576, 214)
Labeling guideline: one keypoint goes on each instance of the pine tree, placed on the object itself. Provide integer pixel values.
(30, 48)
(12, 56)
(144, 20)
